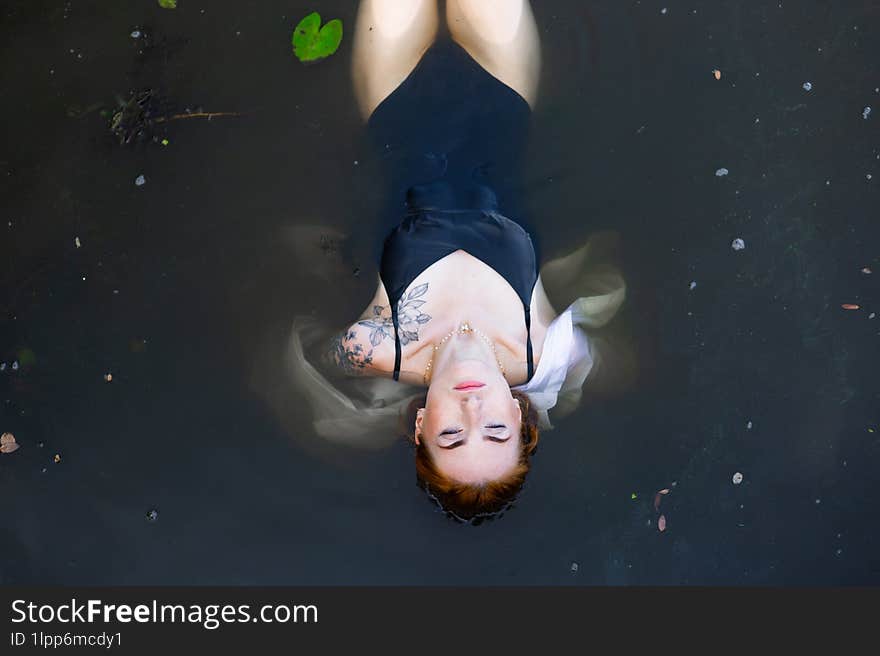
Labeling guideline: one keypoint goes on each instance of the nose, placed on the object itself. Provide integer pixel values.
(472, 402)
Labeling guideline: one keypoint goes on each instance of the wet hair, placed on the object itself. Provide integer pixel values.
(474, 503)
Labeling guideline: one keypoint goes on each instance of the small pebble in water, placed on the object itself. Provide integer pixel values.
(737, 478)
(152, 515)
(721, 172)
(869, 176)
(108, 377)
(574, 567)
(749, 426)
(663, 11)
(738, 244)
(693, 284)
(77, 242)
(808, 86)
(136, 34)
(140, 180)
(2, 366)
(872, 315)
(56, 458)
(15, 366)
(866, 112)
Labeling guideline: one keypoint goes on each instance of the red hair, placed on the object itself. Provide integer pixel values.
(471, 501)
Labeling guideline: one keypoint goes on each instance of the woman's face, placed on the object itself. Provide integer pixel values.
(470, 423)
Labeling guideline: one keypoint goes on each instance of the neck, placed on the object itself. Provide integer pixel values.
(463, 348)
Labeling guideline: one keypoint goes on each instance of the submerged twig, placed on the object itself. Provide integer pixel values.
(136, 116)
(207, 115)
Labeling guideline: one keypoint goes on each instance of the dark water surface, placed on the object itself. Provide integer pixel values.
(181, 284)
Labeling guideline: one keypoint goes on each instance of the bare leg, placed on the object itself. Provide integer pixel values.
(390, 38)
(502, 37)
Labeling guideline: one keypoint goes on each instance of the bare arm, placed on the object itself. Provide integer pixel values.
(350, 353)
(361, 349)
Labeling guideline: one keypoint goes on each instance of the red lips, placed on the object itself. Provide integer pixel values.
(469, 385)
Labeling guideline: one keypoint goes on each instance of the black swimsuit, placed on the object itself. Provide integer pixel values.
(453, 137)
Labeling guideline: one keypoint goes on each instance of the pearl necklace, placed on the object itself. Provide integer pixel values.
(465, 327)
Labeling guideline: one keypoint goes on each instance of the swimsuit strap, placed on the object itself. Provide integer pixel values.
(529, 355)
(396, 340)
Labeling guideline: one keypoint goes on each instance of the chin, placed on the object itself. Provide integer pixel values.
(474, 367)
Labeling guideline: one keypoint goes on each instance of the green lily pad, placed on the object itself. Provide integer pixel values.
(168, 4)
(311, 43)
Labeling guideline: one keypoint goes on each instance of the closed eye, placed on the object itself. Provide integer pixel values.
(459, 443)
(454, 445)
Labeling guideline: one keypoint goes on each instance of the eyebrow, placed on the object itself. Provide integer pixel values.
(455, 445)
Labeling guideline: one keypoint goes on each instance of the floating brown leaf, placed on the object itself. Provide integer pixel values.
(850, 306)
(661, 523)
(57, 458)
(657, 497)
(717, 74)
(7, 438)
(9, 448)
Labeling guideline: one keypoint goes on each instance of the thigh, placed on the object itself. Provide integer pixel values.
(390, 38)
(502, 37)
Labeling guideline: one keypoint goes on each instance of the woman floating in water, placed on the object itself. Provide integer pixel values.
(461, 341)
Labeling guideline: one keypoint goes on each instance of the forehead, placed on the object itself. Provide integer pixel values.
(472, 463)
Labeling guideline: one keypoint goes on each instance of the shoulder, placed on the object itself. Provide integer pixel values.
(361, 349)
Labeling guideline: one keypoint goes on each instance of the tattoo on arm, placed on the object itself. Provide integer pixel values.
(409, 318)
(354, 357)
(347, 353)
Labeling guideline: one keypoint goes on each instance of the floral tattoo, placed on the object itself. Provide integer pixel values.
(352, 356)
(347, 353)
(409, 318)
